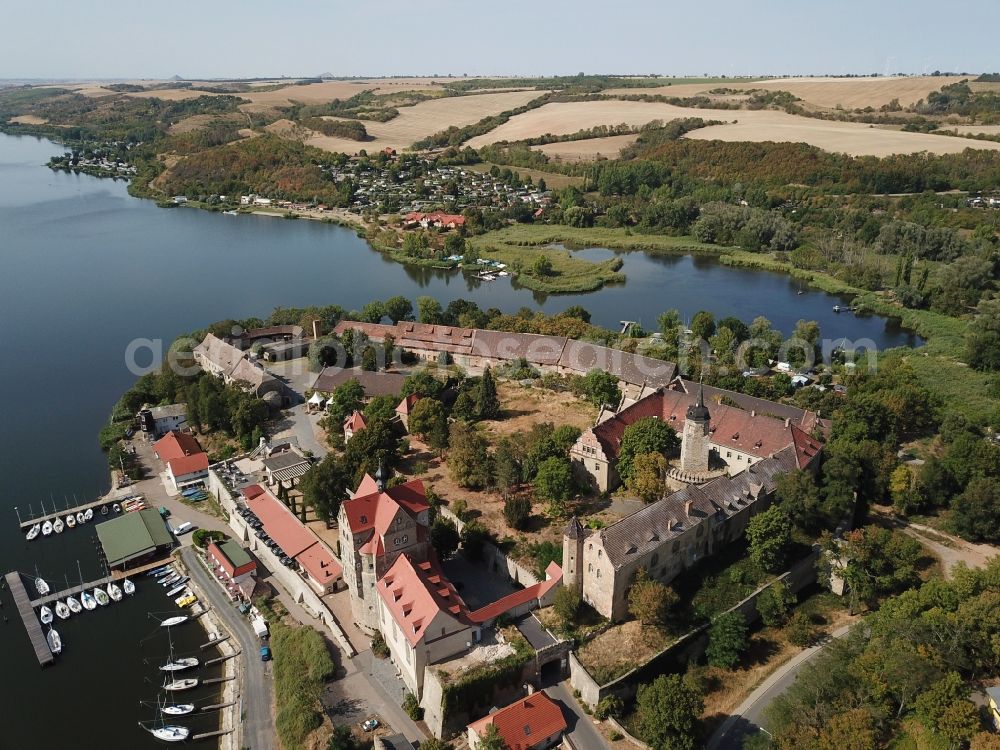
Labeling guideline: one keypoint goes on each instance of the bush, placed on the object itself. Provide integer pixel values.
(727, 639)
(774, 604)
(800, 630)
(615, 735)
(412, 707)
(567, 605)
(460, 508)
(517, 511)
(610, 706)
(203, 537)
(380, 648)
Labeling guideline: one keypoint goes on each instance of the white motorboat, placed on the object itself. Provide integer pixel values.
(46, 528)
(178, 685)
(171, 621)
(73, 604)
(80, 518)
(116, 508)
(177, 589)
(70, 521)
(170, 733)
(58, 526)
(163, 572)
(34, 531)
(170, 580)
(88, 514)
(114, 592)
(62, 611)
(128, 587)
(41, 586)
(179, 665)
(180, 709)
(55, 642)
(102, 598)
(45, 615)
(89, 602)
(180, 581)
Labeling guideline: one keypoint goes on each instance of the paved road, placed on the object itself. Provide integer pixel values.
(582, 732)
(258, 726)
(749, 717)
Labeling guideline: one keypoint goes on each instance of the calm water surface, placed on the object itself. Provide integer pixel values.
(85, 269)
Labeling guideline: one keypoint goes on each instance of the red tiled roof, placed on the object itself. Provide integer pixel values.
(176, 445)
(415, 593)
(295, 540)
(185, 465)
(435, 216)
(407, 404)
(368, 486)
(806, 449)
(553, 577)
(363, 510)
(355, 422)
(524, 723)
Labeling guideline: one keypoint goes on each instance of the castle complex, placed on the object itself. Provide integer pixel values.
(730, 461)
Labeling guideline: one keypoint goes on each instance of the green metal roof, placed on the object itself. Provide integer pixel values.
(132, 535)
(236, 555)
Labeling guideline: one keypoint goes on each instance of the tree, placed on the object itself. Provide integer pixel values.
(517, 511)
(428, 310)
(602, 389)
(667, 713)
(324, 487)
(648, 479)
(398, 308)
(647, 435)
(345, 398)
(769, 535)
(369, 359)
(774, 604)
(554, 483)
(507, 467)
(373, 312)
(727, 639)
(976, 512)
(800, 630)
(873, 562)
(491, 739)
(343, 739)
(474, 538)
(799, 499)
(487, 400)
(427, 419)
(703, 325)
(542, 266)
(422, 383)
(444, 536)
(982, 340)
(649, 601)
(468, 460)
(945, 708)
(567, 605)
(577, 311)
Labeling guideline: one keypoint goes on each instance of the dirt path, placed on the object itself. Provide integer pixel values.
(949, 549)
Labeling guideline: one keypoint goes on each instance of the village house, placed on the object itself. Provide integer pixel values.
(235, 367)
(353, 424)
(404, 408)
(533, 723)
(159, 420)
(373, 383)
(233, 567)
(435, 219)
(186, 463)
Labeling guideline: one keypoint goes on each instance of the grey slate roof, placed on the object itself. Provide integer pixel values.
(582, 356)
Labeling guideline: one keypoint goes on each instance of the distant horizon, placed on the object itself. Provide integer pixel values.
(118, 40)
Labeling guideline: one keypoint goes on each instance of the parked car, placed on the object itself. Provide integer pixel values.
(265, 653)
(369, 725)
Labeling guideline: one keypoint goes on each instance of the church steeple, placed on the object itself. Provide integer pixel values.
(698, 411)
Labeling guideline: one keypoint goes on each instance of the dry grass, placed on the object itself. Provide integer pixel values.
(28, 120)
(588, 149)
(763, 125)
(194, 122)
(620, 649)
(424, 119)
(524, 407)
(973, 129)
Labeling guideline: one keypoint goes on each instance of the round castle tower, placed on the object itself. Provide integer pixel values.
(695, 442)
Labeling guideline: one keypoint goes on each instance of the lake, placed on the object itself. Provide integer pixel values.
(86, 269)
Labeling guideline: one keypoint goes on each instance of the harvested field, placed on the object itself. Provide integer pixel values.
(857, 139)
(195, 122)
(426, 118)
(588, 149)
(286, 129)
(170, 95)
(28, 120)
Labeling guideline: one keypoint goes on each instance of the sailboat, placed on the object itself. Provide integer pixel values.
(104, 510)
(102, 598)
(171, 621)
(179, 665)
(88, 514)
(179, 709)
(70, 521)
(58, 526)
(114, 592)
(79, 517)
(169, 733)
(128, 587)
(117, 508)
(177, 686)
(89, 602)
(41, 586)
(34, 531)
(62, 611)
(177, 589)
(45, 615)
(73, 604)
(46, 528)
(55, 642)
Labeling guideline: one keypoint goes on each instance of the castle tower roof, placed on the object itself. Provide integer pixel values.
(698, 411)
(574, 529)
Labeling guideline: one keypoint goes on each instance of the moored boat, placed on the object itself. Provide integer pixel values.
(177, 686)
(128, 587)
(34, 531)
(116, 508)
(178, 710)
(73, 604)
(41, 586)
(179, 665)
(171, 621)
(170, 733)
(114, 592)
(70, 521)
(186, 601)
(104, 510)
(88, 514)
(62, 611)
(80, 517)
(55, 642)
(45, 615)
(88, 601)
(102, 597)
(177, 589)
(170, 580)
(58, 526)
(158, 571)
(46, 528)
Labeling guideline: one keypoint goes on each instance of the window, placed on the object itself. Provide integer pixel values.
(599, 553)
(729, 454)
(396, 541)
(590, 568)
(598, 572)
(405, 538)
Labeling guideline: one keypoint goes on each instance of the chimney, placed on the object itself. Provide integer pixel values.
(788, 422)
(316, 328)
(531, 689)
(687, 507)
(753, 412)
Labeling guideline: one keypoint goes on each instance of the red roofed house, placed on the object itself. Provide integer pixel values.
(231, 565)
(354, 423)
(185, 461)
(532, 723)
(376, 527)
(435, 219)
(405, 407)
(422, 618)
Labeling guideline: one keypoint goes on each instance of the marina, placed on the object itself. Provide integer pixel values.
(31, 623)
(59, 515)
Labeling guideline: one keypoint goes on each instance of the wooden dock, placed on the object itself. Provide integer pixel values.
(209, 735)
(214, 641)
(221, 659)
(30, 619)
(217, 706)
(82, 507)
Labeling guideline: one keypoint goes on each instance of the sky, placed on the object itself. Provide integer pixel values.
(59, 39)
